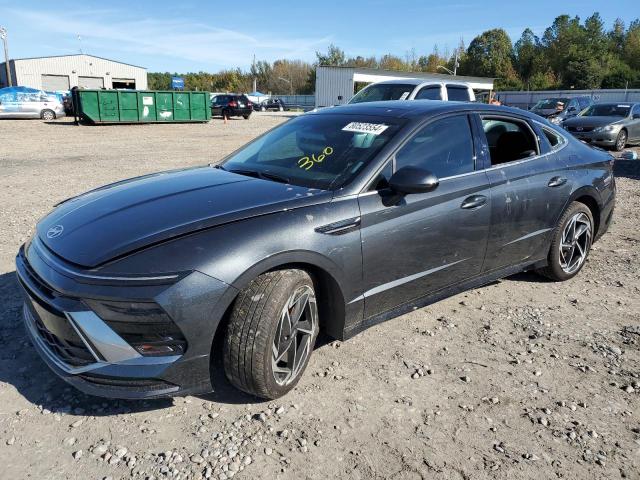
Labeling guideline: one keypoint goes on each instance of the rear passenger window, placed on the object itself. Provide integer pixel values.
(458, 93)
(444, 147)
(429, 93)
(509, 140)
(554, 139)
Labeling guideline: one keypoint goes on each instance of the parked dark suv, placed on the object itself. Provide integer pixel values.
(331, 222)
(231, 105)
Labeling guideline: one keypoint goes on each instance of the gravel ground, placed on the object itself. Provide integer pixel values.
(523, 378)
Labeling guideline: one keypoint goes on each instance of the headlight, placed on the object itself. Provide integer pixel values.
(606, 128)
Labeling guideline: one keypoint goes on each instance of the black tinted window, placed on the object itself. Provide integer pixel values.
(509, 140)
(444, 147)
(429, 93)
(384, 91)
(458, 93)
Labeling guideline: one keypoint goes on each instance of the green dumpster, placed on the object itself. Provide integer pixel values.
(137, 106)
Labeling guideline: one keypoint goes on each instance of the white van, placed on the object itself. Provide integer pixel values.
(415, 89)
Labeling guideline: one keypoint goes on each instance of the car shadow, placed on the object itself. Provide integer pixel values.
(529, 277)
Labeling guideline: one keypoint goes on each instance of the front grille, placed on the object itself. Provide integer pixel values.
(581, 129)
(73, 352)
(142, 384)
(49, 321)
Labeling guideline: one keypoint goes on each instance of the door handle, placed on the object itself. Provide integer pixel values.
(474, 201)
(557, 182)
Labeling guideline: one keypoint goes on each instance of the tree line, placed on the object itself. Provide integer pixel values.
(569, 54)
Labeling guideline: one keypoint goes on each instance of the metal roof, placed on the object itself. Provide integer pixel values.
(403, 74)
(75, 55)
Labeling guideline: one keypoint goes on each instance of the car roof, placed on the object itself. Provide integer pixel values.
(417, 108)
(625, 104)
(417, 81)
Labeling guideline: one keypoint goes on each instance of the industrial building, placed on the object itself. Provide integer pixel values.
(66, 71)
(336, 85)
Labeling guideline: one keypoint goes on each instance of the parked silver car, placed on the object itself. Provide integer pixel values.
(35, 104)
(607, 124)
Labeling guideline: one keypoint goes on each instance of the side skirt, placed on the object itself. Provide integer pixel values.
(475, 282)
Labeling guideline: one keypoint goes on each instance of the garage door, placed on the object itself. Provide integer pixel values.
(91, 83)
(53, 83)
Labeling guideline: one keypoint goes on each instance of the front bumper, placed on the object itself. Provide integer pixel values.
(604, 139)
(85, 352)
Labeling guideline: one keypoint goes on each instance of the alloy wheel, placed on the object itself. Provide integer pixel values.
(296, 330)
(47, 115)
(575, 244)
(621, 141)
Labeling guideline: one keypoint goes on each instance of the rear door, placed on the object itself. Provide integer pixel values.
(529, 187)
(417, 244)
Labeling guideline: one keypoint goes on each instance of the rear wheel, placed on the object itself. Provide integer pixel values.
(246, 117)
(47, 115)
(271, 333)
(570, 243)
(621, 140)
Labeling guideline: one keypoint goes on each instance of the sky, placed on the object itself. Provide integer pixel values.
(190, 36)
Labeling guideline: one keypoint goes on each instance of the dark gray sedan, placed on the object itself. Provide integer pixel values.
(334, 221)
(611, 125)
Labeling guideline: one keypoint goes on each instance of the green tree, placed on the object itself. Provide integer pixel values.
(491, 55)
(334, 57)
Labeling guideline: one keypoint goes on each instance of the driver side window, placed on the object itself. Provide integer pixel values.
(443, 147)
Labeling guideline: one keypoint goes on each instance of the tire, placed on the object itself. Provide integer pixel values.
(260, 315)
(246, 117)
(621, 141)
(566, 265)
(47, 115)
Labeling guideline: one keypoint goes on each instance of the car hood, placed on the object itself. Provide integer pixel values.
(592, 121)
(111, 221)
(545, 112)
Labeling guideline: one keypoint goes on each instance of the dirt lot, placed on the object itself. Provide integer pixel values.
(520, 379)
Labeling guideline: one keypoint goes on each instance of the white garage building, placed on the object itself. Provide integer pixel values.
(66, 71)
(336, 85)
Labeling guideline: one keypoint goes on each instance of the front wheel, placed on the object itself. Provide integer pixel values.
(271, 333)
(621, 141)
(47, 115)
(570, 243)
(246, 117)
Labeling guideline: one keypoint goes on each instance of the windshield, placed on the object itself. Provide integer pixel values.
(607, 110)
(550, 103)
(316, 151)
(384, 91)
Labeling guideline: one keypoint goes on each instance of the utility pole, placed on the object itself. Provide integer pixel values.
(456, 63)
(3, 35)
(255, 80)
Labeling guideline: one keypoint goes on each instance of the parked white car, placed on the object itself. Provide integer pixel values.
(29, 103)
(415, 89)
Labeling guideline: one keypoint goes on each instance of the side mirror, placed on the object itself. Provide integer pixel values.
(572, 109)
(636, 116)
(413, 180)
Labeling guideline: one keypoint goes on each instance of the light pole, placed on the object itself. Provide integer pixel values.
(3, 35)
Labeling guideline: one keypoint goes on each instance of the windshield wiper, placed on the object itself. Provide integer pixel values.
(262, 175)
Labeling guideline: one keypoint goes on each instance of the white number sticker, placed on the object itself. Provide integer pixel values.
(359, 127)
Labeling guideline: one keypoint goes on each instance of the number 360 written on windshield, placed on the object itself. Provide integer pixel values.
(308, 162)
